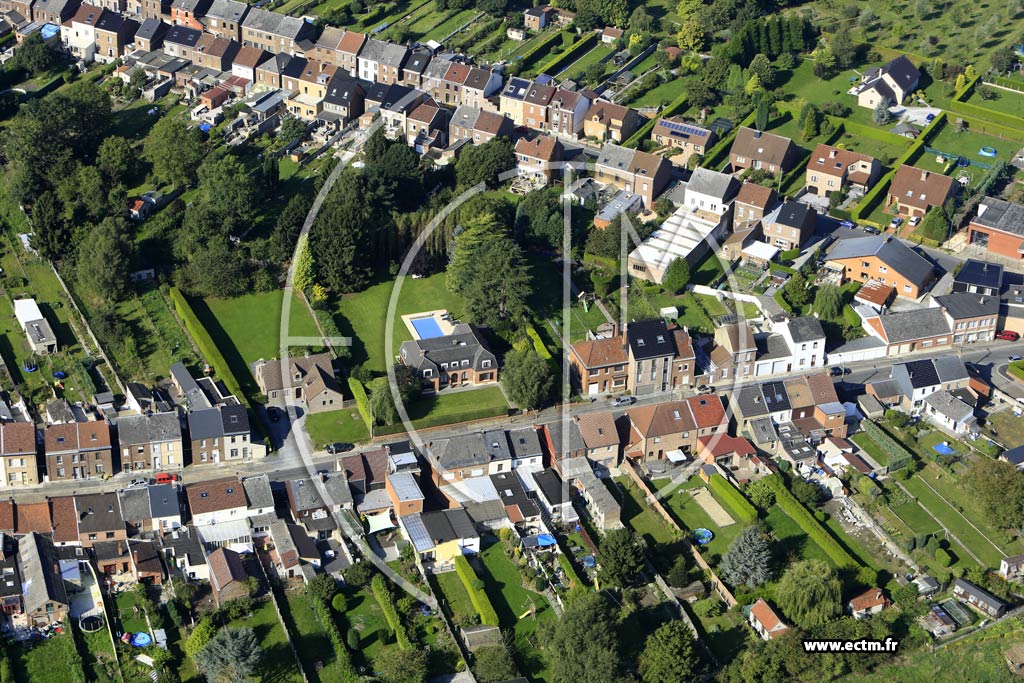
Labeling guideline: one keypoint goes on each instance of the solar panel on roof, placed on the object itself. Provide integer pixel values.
(682, 129)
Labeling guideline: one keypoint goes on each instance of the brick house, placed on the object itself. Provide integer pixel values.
(78, 450)
(757, 150)
(224, 18)
(221, 434)
(456, 359)
(566, 112)
(348, 51)
(658, 429)
(765, 622)
(18, 464)
(99, 519)
(227, 575)
(831, 169)
(181, 41)
(789, 225)
(45, 598)
(215, 52)
(609, 121)
(307, 379)
(600, 366)
(633, 171)
(659, 358)
(998, 228)
(150, 442)
(188, 12)
(274, 32)
(538, 18)
(884, 259)
(686, 139)
(973, 317)
(914, 190)
(539, 158)
(54, 12)
(535, 106)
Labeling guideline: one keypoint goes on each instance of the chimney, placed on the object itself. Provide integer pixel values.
(757, 134)
(924, 176)
(833, 153)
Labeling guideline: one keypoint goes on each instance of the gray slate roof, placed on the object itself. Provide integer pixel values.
(448, 525)
(1001, 215)
(805, 329)
(981, 273)
(135, 503)
(961, 305)
(980, 595)
(277, 24)
(948, 405)
(307, 496)
(99, 512)
(464, 343)
(918, 324)
(136, 430)
(950, 369)
(373, 50)
(183, 35)
(163, 501)
(713, 183)
(894, 253)
(257, 492)
(150, 28)
(229, 10)
(40, 583)
(525, 443)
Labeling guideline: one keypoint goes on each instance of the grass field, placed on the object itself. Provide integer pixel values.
(1008, 428)
(692, 516)
(792, 541)
(965, 144)
(914, 516)
(362, 316)
(132, 621)
(251, 324)
(593, 56)
(310, 639)
(514, 603)
(660, 95)
(1006, 101)
(47, 661)
(450, 587)
(97, 654)
(278, 661)
(441, 30)
(865, 443)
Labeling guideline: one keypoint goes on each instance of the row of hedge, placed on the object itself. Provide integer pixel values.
(718, 156)
(810, 526)
(534, 53)
(569, 56)
(387, 605)
(676, 105)
(576, 585)
(341, 653)
(733, 498)
(443, 419)
(880, 189)
(477, 595)
(899, 455)
(991, 122)
(206, 345)
(362, 400)
(538, 343)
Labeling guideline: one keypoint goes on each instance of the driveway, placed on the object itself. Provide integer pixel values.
(916, 115)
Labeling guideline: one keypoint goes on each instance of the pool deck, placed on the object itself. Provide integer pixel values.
(446, 325)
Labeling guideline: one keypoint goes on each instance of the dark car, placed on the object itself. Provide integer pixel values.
(336, 448)
(872, 231)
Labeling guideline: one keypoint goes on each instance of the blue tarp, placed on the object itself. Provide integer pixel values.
(943, 449)
(544, 540)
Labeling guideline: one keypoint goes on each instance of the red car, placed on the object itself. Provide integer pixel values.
(166, 478)
(1007, 335)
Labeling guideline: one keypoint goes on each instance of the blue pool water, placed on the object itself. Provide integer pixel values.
(427, 328)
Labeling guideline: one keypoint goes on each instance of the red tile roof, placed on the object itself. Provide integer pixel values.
(220, 494)
(65, 519)
(872, 597)
(724, 444)
(708, 411)
(767, 617)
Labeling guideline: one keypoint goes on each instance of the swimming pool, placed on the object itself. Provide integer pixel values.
(426, 328)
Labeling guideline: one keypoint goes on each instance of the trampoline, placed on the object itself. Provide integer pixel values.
(141, 640)
(91, 624)
(60, 374)
(963, 162)
(427, 328)
(987, 151)
(702, 536)
(588, 561)
(943, 449)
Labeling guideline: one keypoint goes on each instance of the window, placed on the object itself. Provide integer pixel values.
(110, 534)
(883, 269)
(92, 537)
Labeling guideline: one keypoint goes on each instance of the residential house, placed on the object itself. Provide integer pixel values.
(150, 37)
(145, 562)
(440, 536)
(228, 577)
(433, 79)
(600, 366)
(972, 317)
(914, 191)
(246, 60)
(538, 18)
(866, 604)
(366, 472)
(750, 206)
(215, 52)
(150, 442)
(181, 41)
(345, 97)
(479, 86)
(1012, 568)
(370, 58)
(188, 12)
(78, 450)
(889, 84)
(512, 100)
(224, 19)
(478, 126)
(765, 622)
(885, 259)
(908, 331)
(539, 159)
(951, 412)
(979, 277)
(804, 340)
(325, 49)
(45, 597)
(185, 554)
(1014, 456)
(150, 508)
(659, 358)
(456, 359)
(314, 502)
(601, 505)
(415, 66)
(831, 169)
(633, 171)
(610, 35)
(426, 127)
(553, 495)
(519, 507)
(347, 56)
(731, 453)
(917, 379)
(656, 431)
(11, 590)
(78, 34)
(685, 139)
(733, 353)
(405, 493)
(789, 225)
(998, 228)
(18, 465)
(606, 120)
(221, 434)
(307, 380)
(308, 82)
(566, 113)
(601, 441)
(981, 600)
(99, 519)
(765, 151)
(54, 12)
(535, 106)
(64, 521)
(274, 32)
(525, 447)
(217, 501)
(482, 453)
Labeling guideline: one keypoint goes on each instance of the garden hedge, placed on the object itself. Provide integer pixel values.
(810, 526)
(323, 613)
(534, 53)
(576, 587)
(362, 400)
(538, 344)
(675, 106)
(477, 595)
(387, 605)
(206, 345)
(899, 455)
(733, 498)
(566, 58)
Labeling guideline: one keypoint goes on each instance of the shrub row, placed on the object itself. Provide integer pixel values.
(323, 613)
(569, 56)
(206, 345)
(362, 400)
(992, 122)
(737, 502)
(538, 344)
(535, 52)
(576, 585)
(387, 605)
(810, 526)
(675, 106)
(899, 455)
(475, 587)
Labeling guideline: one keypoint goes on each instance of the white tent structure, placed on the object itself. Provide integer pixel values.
(380, 521)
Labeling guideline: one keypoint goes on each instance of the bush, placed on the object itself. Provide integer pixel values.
(359, 574)
(943, 557)
(474, 586)
(792, 507)
(731, 496)
(387, 605)
(339, 603)
(341, 653)
(206, 345)
(352, 639)
(362, 400)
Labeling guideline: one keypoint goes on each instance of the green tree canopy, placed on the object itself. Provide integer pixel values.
(494, 664)
(103, 262)
(809, 593)
(402, 665)
(233, 655)
(176, 150)
(483, 163)
(116, 158)
(527, 378)
(622, 558)
(583, 645)
(677, 276)
(748, 560)
(669, 655)
(828, 301)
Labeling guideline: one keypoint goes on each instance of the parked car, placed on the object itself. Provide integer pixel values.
(894, 223)
(914, 221)
(166, 477)
(872, 231)
(624, 401)
(847, 224)
(835, 372)
(1007, 335)
(1014, 358)
(705, 389)
(336, 448)
(138, 482)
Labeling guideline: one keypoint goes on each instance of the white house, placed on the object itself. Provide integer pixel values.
(793, 345)
(950, 412)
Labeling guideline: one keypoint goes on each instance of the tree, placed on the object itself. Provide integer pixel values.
(408, 665)
(527, 378)
(359, 574)
(934, 225)
(51, 235)
(998, 489)
(748, 560)
(842, 48)
(809, 593)
(494, 664)
(483, 163)
(33, 56)
(103, 263)
(488, 268)
(175, 150)
(594, 73)
(762, 66)
(621, 558)
(583, 645)
(880, 115)
(340, 238)
(753, 85)
(897, 418)
(828, 301)
(640, 20)
(292, 128)
(231, 656)
(795, 291)
(677, 276)
(229, 189)
(323, 588)
(825, 63)
(1003, 59)
(382, 403)
(116, 158)
(760, 494)
(762, 114)
(539, 219)
(806, 492)
(669, 655)
(200, 636)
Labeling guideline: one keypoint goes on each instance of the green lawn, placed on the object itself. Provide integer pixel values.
(97, 655)
(310, 639)
(251, 324)
(965, 144)
(514, 605)
(362, 316)
(691, 515)
(660, 95)
(1006, 101)
(1009, 430)
(593, 56)
(441, 30)
(865, 443)
(914, 516)
(792, 541)
(46, 661)
(449, 586)
(279, 663)
(584, 321)
(346, 426)
(131, 621)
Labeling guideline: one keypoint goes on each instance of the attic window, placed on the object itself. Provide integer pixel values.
(703, 401)
(661, 339)
(675, 414)
(639, 342)
(110, 508)
(234, 419)
(60, 439)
